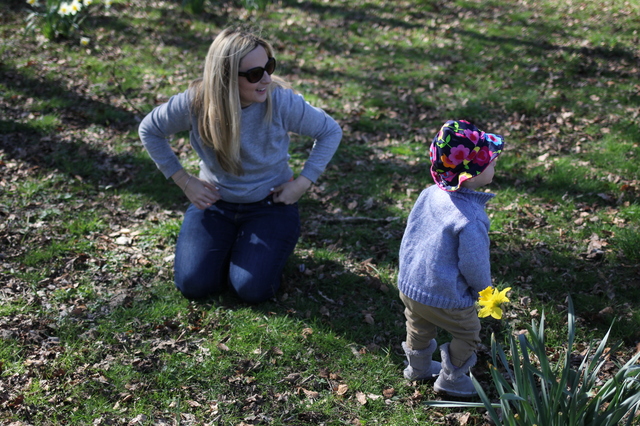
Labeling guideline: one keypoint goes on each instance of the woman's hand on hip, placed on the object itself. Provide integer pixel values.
(201, 193)
(290, 192)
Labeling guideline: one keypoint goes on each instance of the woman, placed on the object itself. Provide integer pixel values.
(243, 222)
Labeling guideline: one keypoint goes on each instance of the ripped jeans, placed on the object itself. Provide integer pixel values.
(245, 246)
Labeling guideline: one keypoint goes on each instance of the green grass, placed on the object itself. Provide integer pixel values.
(92, 327)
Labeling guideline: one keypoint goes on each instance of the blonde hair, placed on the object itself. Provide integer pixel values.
(216, 98)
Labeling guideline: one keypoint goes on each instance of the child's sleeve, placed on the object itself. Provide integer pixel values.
(473, 256)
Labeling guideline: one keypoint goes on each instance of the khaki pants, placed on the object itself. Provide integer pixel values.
(423, 322)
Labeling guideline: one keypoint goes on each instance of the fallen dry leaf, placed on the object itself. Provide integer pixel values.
(342, 389)
(606, 311)
(461, 419)
(368, 318)
(310, 394)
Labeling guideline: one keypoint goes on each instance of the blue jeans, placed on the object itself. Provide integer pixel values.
(243, 245)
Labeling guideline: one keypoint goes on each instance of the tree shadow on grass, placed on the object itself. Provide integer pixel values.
(353, 303)
(372, 14)
(57, 147)
(581, 65)
(123, 172)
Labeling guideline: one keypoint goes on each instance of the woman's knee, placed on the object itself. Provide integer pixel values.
(254, 289)
(194, 288)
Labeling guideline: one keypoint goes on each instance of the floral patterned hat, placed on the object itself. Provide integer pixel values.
(460, 152)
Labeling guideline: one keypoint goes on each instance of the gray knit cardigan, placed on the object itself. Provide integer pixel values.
(444, 255)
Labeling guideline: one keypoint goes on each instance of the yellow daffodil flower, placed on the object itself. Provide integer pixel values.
(490, 299)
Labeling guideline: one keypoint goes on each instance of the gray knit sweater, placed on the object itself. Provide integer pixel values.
(264, 148)
(444, 255)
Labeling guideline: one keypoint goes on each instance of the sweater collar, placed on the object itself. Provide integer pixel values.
(479, 197)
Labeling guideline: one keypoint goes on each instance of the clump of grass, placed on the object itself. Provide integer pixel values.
(535, 389)
(628, 241)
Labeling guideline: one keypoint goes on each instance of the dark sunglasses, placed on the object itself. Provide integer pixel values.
(254, 75)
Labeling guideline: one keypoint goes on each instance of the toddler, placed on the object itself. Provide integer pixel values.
(444, 257)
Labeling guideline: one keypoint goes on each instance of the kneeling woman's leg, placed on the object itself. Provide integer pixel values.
(268, 232)
(202, 252)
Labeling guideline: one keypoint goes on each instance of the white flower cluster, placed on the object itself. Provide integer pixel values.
(71, 8)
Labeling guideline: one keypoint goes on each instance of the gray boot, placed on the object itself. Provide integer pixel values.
(454, 380)
(419, 363)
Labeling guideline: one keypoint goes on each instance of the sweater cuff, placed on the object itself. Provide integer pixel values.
(311, 174)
